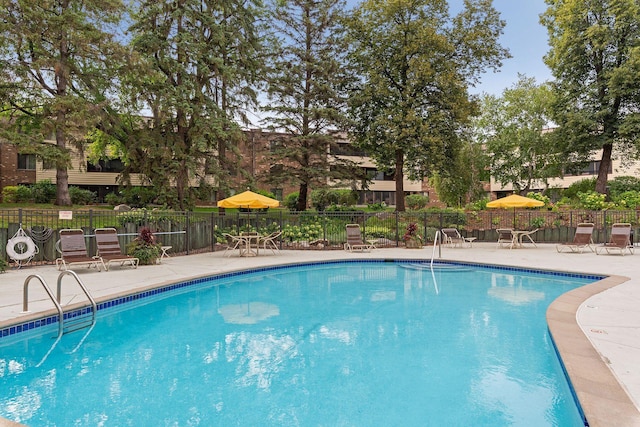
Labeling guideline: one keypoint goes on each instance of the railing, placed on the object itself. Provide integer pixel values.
(188, 232)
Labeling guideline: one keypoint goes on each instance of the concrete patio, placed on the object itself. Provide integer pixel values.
(608, 313)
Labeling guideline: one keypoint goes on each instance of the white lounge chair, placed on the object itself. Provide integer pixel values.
(355, 241)
(619, 241)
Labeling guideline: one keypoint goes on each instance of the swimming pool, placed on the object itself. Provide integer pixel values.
(357, 343)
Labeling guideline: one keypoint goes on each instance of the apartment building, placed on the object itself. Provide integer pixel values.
(102, 178)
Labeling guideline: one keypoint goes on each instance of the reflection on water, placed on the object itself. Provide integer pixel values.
(373, 344)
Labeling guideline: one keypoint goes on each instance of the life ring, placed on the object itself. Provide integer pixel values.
(21, 240)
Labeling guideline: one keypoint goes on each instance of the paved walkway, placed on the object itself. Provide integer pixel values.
(610, 319)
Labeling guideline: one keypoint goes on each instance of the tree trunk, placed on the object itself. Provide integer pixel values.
(603, 170)
(399, 178)
(302, 198)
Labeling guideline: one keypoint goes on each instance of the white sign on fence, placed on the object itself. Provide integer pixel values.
(65, 214)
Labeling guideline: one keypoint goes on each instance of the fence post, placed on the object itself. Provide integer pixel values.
(188, 234)
(20, 216)
(397, 229)
(213, 232)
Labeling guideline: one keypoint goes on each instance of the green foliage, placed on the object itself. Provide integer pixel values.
(9, 194)
(416, 201)
(628, 199)
(478, 205)
(511, 127)
(291, 201)
(63, 80)
(81, 197)
(537, 222)
(306, 98)
(3, 265)
(539, 196)
(144, 247)
(322, 198)
(583, 186)
(137, 197)
(594, 58)
(377, 206)
(622, 184)
(592, 200)
(44, 192)
(414, 62)
(307, 232)
(113, 199)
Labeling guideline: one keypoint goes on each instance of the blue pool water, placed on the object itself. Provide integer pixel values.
(334, 344)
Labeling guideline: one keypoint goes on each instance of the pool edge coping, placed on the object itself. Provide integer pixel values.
(592, 380)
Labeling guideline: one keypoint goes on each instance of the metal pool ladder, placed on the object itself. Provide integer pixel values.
(72, 324)
(436, 240)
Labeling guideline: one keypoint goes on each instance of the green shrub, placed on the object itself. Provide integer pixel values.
(291, 201)
(623, 184)
(539, 196)
(322, 198)
(592, 200)
(416, 201)
(80, 196)
(3, 265)
(583, 186)
(9, 194)
(43, 191)
(628, 199)
(297, 233)
(113, 199)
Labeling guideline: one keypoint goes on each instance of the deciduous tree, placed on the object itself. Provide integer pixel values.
(514, 130)
(595, 60)
(415, 64)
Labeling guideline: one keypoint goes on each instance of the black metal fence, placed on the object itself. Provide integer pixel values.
(189, 232)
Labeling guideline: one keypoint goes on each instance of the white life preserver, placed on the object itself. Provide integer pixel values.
(21, 240)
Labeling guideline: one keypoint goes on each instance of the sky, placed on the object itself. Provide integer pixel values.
(525, 38)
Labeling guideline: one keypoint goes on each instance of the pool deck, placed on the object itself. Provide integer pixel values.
(602, 361)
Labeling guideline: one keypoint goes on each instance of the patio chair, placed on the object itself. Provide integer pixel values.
(581, 240)
(233, 243)
(355, 241)
(522, 234)
(452, 237)
(270, 242)
(73, 250)
(620, 240)
(109, 248)
(506, 237)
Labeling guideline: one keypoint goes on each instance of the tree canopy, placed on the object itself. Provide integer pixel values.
(595, 59)
(197, 62)
(305, 101)
(415, 63)
(57, 71)
(515, 131)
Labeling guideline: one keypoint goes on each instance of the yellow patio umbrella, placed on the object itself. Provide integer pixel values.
(250, 200)
(515, 201)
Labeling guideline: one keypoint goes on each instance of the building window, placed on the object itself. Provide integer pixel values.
(591, 169)
(113, 165)
(27, 162)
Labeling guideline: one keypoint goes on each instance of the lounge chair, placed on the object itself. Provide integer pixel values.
(73, 250)
(506, 237)
(620, 240)
(452, 237)
(269, 242)
(354, 240)
(581, 240)
(109, 248)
